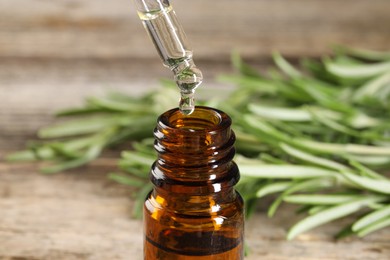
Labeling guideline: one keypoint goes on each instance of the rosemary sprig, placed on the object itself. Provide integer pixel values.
(315, 135)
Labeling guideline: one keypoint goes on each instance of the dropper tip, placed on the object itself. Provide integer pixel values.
(187, 103)
(187, 111)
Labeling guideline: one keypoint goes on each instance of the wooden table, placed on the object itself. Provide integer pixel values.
(55, 53)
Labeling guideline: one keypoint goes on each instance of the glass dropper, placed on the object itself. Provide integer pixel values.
(167, 34)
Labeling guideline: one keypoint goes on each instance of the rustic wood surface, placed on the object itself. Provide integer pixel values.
(55, 53)
(98, 28)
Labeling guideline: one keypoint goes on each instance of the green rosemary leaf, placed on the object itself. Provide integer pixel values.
(318, 70)
(285, 171)
(22, 156)
(62, 150)
(371, 218)
(66, 165)
(380, 186)
(355, 149)
(140, 172)
(371, 160)
(382, 223)
(306, 185)
(272, 188)
(332, 124)
(331, 214)
(242, 67)
(285, 66)
(372, 87)
(317, 209)
(92, 153)
(137, 158)
(248, 185)
(361, 71)
(127, 180)
(312, 159)
(35, 152)
(279, 113)
(303, 209)
(360, 120)
(263, 130)
(342, 59)
(251, 84)
(319, 199)
(78, 127)
(364, 53)
(269, 159)
(137, 130)
(145, 147)
(366, 171)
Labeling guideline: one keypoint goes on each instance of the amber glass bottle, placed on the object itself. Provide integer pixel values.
(193, 212)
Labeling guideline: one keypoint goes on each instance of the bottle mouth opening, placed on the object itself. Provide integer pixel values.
(203, 119)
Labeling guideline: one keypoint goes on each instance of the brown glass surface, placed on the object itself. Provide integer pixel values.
(194, 212)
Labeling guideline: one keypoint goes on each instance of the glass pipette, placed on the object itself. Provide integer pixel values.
(167, 34)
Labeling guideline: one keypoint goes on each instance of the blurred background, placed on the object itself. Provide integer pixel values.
(54, 53)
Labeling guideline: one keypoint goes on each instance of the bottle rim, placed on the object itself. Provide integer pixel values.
(203, 119)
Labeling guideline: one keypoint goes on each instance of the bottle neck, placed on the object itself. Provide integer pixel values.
(195, 154)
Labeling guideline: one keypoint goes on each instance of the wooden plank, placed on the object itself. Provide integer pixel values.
(99, 28)
(82, 215)
(79, 215)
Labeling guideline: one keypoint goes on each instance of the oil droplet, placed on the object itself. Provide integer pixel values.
(187, 102)
(188, 77)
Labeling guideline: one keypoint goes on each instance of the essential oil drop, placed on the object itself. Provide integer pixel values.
(187, 103)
